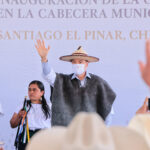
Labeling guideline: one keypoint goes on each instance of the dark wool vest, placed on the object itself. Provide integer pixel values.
(68, 98)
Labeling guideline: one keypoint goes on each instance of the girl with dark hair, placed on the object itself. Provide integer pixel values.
(34, 116)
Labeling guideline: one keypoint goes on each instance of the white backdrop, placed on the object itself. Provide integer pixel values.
(65, 25)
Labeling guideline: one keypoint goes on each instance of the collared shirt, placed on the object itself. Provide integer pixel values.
(82, 82)
(50, 76)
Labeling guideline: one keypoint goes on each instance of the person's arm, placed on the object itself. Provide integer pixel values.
(145, 68)
(108, 120)
(15, 120)
(48, 73)
(144, 108)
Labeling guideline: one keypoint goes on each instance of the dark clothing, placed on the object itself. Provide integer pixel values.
(22, 146)
(68, 98)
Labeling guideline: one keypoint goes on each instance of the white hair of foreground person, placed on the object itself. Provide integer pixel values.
(87, 131)
(141, 124)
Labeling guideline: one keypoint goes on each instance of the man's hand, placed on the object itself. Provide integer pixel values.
(42, 50)
(145, 68)
(144, 108)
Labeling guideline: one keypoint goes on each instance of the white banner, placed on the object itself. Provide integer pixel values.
(113, 30)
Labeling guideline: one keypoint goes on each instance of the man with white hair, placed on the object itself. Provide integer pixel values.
(76, 92)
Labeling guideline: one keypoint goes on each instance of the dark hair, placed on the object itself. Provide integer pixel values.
(45, 107)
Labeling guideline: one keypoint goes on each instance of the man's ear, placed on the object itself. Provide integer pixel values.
(87, 63)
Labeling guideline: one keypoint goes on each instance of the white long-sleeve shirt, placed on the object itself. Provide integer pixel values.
(36, 117)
